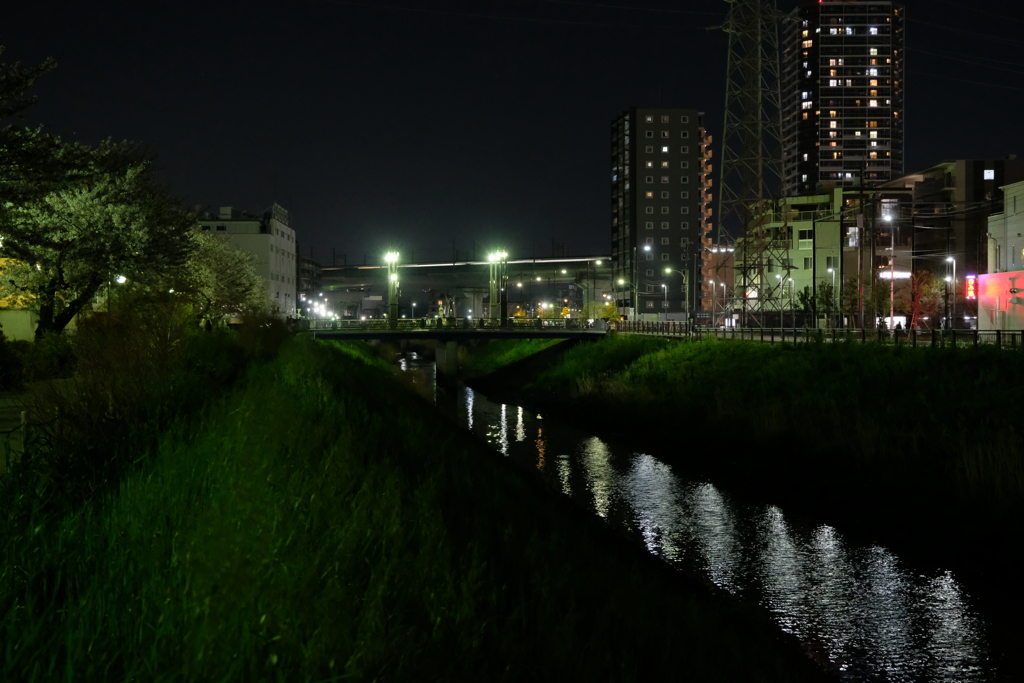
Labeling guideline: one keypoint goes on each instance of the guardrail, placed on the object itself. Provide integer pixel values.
(1008, 339)
(444, 323)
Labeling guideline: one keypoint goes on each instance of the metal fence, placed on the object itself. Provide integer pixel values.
(444, 323)
(1008, 339)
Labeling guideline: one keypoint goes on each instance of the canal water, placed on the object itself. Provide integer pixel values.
(869, 614)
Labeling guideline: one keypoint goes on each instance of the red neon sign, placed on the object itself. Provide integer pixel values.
(970, 287)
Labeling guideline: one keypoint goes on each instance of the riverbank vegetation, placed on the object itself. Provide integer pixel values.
(892, 438)
(249, 507)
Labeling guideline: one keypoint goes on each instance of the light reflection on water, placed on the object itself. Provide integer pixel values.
(857, 606)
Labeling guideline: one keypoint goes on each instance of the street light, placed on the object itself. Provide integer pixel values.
(950, 259)
(392, 260)
(833, 271)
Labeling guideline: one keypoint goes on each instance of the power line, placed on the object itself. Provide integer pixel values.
(637, 9)
(501, 17)
(974, 10)
(966, 80)
(961, 31)
(970, 59)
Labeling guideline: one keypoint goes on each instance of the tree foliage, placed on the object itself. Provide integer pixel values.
(220, 281)
(109, 218)
(919, 296)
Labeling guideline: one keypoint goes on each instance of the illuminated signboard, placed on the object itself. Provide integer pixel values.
(990, 174)
(970, 287)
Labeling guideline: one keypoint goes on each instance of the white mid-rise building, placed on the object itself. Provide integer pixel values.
(271, 240)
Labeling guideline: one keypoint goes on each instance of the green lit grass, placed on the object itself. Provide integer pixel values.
(318, 524)
(498, 353)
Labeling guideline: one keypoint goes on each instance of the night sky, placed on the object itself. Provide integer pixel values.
(422, 125)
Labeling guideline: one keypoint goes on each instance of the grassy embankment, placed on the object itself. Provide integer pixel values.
(316, 523)
(892, 439)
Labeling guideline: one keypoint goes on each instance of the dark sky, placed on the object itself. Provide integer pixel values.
(412, 125)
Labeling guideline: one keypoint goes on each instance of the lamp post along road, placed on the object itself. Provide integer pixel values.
(392, 261)
(952, 314)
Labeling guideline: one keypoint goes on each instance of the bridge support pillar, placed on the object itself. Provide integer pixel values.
(446, 356)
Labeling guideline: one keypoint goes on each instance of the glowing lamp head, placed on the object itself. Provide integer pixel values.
(394, 277)
(391, 256)
(121, 279)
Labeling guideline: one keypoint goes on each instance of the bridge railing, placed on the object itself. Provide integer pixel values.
(1008, 339)
(466, 323)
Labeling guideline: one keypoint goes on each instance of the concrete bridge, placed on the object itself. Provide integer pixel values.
(448, 332)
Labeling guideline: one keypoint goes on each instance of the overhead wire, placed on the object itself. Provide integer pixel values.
(502, 17)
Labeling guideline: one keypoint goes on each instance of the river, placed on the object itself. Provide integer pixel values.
(870, 614)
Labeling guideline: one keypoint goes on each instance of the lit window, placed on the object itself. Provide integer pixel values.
(649, 119)
(873, 134)
(664, 164)
(804, 95)
(849, 31)
(650, 195)
(807, 43)
(649, 164)
(807, 105)
(805, 116)
(873, 31)
(803, 178)
(805, 157)
(650, 304)
(831, 133)
(872, 103)
(833, 31)
(872, 155)
(872, 72)
(664, 150)
(873, 82)
(805, 34)
(873, 51)
(832, 113)
(664, 133)
(664, 119)
(833, 83)
(833, 124)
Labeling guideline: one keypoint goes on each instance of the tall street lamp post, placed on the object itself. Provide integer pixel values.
(392, 261)
(952, 315)
(835, 305)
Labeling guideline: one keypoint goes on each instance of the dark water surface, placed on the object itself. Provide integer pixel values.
(864, 610)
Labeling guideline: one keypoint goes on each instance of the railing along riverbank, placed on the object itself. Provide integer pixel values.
(1008, 339)
(446, 323)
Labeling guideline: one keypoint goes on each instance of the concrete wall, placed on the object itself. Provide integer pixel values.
(19, 324)
(1000, 306)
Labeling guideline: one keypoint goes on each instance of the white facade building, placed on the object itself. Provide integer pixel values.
(270, 238)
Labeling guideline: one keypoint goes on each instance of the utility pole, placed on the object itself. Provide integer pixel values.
(752, 161)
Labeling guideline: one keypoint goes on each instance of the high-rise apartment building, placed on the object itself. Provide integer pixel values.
(660, 210)
(842, 94)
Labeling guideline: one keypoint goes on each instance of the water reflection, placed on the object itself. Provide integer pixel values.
(857, 606)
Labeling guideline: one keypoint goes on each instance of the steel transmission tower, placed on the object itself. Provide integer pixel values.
(751, 180)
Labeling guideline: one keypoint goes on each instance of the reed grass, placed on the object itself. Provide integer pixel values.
(314, 523)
